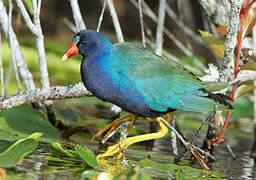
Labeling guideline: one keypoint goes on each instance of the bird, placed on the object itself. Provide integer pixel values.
(146, 85)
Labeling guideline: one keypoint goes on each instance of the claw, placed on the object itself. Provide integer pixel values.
(116, 123)
(122, 145)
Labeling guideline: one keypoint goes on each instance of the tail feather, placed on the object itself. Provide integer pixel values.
(222, 99)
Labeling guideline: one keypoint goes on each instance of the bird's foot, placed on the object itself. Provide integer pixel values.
(114, 125)
(125, 143)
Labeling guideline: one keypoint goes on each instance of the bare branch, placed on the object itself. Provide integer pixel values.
(26, 17)
(186, 144)
(1, 67)
(141, 24)
(216, 10)
(71, 26)
(39, 7)
(101, 15)
(37, 31)
(147, 11)
(21, 64)
(183, 26)
(34, 4)
(115, 21)
(77, 15)
(231, 40)
(11, 45)
(37, 95)
(160, 27)
(41, 49)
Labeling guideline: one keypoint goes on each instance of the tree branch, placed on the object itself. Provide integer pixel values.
(160, 27)
(216, 10)
(21, 64)
(1, 68)
(101, 15)
(37, 95)
(183, 26)
(231, 41)
(11, 44)
(26, 17)
(147, 11)
(115, 21)
(71, 26)
(142, 24)
(77, 15)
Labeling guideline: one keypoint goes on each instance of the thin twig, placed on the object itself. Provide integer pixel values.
(231, 152)
(1, 67)
(71, 26)
(11, 45)
(174, 139)
(242, 78)
(124, 130)
(37, 95)
(160, 27)
(183, 26)
(39, 6)
(142, 24)
(80, 25)
(101, 15)
(116, 23)
(147, 11)
(212, 115)
(186, 144)
(35, 28)
(26, 17)
(40, 46)
(21, 64)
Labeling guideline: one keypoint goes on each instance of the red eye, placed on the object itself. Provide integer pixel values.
(83, 43)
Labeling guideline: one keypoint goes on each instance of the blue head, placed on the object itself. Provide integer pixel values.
(88, 43)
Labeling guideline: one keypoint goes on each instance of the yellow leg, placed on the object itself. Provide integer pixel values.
(131, 140)
(130, 125)
(115, 124)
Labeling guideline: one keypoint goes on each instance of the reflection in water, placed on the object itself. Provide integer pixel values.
(248, 166)
(241, 168)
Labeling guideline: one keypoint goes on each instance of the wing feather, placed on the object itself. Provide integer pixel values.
(164, 83)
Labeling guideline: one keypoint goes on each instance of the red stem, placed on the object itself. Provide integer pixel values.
(219, 138)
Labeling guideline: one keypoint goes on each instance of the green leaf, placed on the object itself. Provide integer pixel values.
(18, 150)
(29, 6)
(243, 89)
(249, 66)
(57, 149)
(87, 156)
(21, 121)
(243, 108)
(216, 44)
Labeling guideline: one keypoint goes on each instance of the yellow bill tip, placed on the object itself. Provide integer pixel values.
(64, 58)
